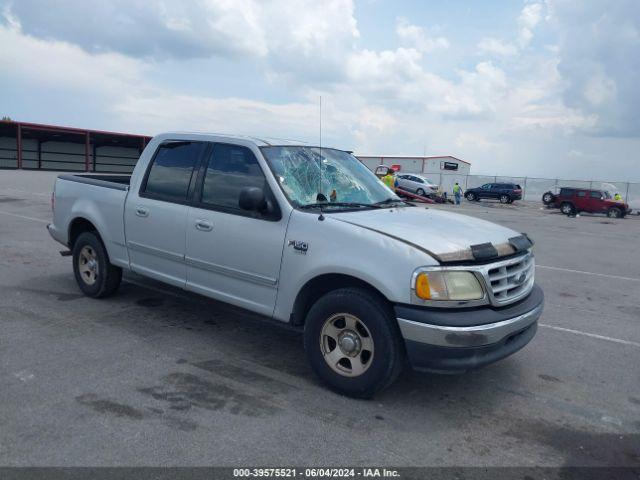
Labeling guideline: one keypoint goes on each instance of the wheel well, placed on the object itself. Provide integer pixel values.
(77, 227)
(318, 286)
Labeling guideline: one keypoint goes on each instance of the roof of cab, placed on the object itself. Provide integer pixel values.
(259, 141)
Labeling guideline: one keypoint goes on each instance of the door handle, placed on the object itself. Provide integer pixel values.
(204, 225)
(142, 211)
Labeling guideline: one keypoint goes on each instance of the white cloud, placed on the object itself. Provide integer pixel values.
(413, 36)
(529, 18)
(496, 47)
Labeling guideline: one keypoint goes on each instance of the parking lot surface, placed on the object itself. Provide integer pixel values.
(155, 376)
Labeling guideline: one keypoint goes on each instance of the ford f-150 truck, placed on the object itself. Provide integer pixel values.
(309, 236)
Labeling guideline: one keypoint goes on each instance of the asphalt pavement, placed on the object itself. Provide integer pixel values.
(155, 376)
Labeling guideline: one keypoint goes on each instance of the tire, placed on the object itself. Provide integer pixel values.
(471, 196)
(614, 212)
(505, 199)
(100, 278)
(368, 322)
(420, 192)
(547, 198)
(567, 208)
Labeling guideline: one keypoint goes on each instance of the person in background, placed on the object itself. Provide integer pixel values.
(390, 180)
(617, 197)
(457, 192)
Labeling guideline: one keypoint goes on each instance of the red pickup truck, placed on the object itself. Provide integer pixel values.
(574, 200)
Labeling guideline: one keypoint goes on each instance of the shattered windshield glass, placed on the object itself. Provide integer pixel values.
(310, 176)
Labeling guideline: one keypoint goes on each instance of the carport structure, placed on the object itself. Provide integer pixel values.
(33, 146)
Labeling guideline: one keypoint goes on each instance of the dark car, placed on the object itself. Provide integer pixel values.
(505, 192)
(574, 200)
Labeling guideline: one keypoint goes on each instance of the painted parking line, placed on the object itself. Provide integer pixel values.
(25, 217)
(591, 335)
(618, 277)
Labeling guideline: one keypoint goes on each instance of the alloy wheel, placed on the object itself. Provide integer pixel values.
(88, 265)
(346, 345)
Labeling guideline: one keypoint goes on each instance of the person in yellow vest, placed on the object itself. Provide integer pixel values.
(390, 180)
(617, 197)
(457, 192)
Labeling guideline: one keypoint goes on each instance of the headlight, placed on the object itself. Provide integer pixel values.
(447, 285)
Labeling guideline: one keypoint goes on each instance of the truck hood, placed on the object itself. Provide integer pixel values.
(444, 235)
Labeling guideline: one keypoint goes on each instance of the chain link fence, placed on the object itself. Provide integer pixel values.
(533, 188)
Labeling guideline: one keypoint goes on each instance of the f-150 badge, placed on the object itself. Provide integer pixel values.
(299, 246)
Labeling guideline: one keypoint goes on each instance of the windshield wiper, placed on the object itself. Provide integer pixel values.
(339, 204)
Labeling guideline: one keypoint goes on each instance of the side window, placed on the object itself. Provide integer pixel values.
(486, 186)
(170, 173)
(582, 194)
(230, 169)
(597, 195)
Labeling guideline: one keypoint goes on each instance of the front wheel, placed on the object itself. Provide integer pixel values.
(470, 196)
(420, 192)
(614, 212)
(95, 275)
(353, 342)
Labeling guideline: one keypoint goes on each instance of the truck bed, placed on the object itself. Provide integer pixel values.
(118, 182)
(99, 199)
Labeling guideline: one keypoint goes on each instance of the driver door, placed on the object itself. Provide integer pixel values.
(231, 254)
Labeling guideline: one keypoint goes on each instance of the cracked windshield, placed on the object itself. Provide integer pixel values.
(310, 176)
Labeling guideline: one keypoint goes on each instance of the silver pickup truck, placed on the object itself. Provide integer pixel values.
(309, 236)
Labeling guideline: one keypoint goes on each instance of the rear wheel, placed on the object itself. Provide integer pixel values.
(95, 275)
(471, 196)
(614, 212)
(567, 208)
(353, 342)
(505, 199)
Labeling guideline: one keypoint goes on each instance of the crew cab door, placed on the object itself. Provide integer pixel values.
(232, 254)
(155, 216)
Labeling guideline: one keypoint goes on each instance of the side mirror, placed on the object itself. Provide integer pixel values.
(252, 199)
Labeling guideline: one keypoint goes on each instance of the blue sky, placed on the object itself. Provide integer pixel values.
(540, 88)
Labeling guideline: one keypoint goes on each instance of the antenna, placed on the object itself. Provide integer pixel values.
(321, 217)
(320, 124)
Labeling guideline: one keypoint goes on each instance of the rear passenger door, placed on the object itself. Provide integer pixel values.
(155, 215)
(231, 254)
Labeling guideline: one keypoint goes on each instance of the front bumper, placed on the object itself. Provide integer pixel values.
(453, 341)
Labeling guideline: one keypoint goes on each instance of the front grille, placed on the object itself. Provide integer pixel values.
(511, 279)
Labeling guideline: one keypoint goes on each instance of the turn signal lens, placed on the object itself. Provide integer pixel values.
(448, 285)
(422, 286)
